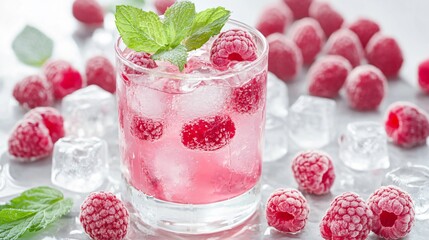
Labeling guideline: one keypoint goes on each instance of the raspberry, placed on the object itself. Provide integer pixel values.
(384, 53)
(348, 217)
(88, 12)
(284, 57)
(232, 46)
(345, 43)
(423, 73)
(63, 77)
(141, 59)
(393, 212)
(364, 29)
(249, 97)
(287, 210)
(299, 7)
(275, 19)
(33, 91)
(51, 118)
(162, 5)
(208, 134)
(313, 172)
(366, 87)
(406, 125)
(104, 217)
(100, 71)
(329, 19)
(309, 37)
(327, 76)
(146, 128)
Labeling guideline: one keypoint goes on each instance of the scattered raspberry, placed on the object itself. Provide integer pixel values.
(423, 73)
(146, 128)
(208, 134)
(309, 37)
(364, 29)
(393, 212)
(88, 12)
(345, 43)
(249, 97)
(284, 57)
(327, 76)
(100, 71)
(104, 217)
(348, 217)
(366, 87)
(329, 19)
(406, 125)
(63, 77)
(299, 7)
(162, 5)
(314, 172)
(287, 210)
(276, 18)
(33, 91)
(385, 53)
(232, 46)
(52, 119)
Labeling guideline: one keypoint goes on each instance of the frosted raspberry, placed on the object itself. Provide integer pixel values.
(287, 210)
(393, 212)
(384, 53)
(364, 29)
(406, 125)
(63, 77)
(33, 91)
(208, 134)
(309, 37)
(100, 71)
(423, 73)
(314, 172)
(51, 118)
(275, 18)
(299, 7)
(104, 217)
(249, 97)
(348, 217)
(162, 5)
(88, 12)
(146, 129)
(327, 76)
(345, 43)
(232, 46)
(366, 88)
(329, 19)
(284, 57)
(141, 59)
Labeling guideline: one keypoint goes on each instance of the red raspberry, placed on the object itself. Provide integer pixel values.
(232, 46)
(384, 53)
(329, 19)
(309, 37)
(274, 19)
(299, 7)
(33, 91)
(287, 210)
(88, 12)
(162, 5)
(327, 76)
(208, 134)
(146, 128)
(393, 212)
(284, 57)
(63, 77)
(364, 29)
(406, 125)
(348, 217)
(345, 43)
(249, 97)
(100, 71)
(366, 87)
(314, 172)
(52, 119)
(104, 217)
(423, 73)
(141, 59)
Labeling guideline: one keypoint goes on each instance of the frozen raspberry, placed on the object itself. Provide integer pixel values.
(309, 37)
(162, 5)
(232, 46)
(384, 53)
(406, 125)
(30, 140)
(423, 73)
(88, 12)
(104, 217)
(329, 19)
(146, 128)
(276, 18)
(52, 119)
(33, 91)
(345, 43)
(299, 7)
(348, 217)
(249, 97)
(208, 134)
(287, 210)
(314, 172)
(100, 71)
(284, 57)
(366, 87)
(327, 76)
(141, 59)
(393, 212)
(63, 77)
(364, 29)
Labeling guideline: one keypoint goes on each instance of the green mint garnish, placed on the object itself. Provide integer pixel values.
(32, 47)
(32, 211)
(169, 39)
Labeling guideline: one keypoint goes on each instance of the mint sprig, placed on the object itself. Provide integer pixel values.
(169, 39)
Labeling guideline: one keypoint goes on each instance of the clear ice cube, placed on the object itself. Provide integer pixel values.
(148, 102)
(79, 164)
(277, 96)
(276, 138)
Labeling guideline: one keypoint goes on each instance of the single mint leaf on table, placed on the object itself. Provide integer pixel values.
(178, 20)
(36, 198)
(11, 214)
(177, 56)
(51, 213)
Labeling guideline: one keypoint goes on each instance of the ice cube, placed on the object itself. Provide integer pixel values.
(276, 138)
(277, 96)
(148, 102)
(363, 146)
(89, 112)
(79, 164)
(311, 121)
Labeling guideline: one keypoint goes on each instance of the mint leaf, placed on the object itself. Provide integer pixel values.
(178, 20)
(10, 214)
(177, 56)
(50, 214)
(32, 47)
(36, 198)
(14, 230)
